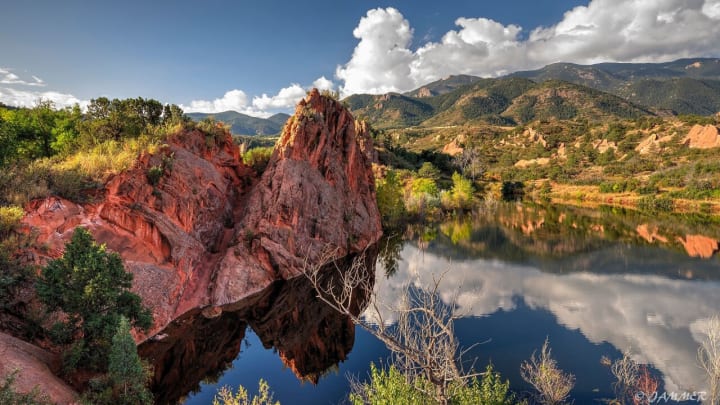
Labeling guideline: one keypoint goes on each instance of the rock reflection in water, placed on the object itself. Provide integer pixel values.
(309, 336)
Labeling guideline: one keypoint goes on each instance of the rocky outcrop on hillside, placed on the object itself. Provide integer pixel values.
(199, 229)
(703, 137)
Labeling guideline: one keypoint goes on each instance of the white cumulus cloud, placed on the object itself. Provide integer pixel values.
(323, 83)
(287, 97)
(381, 61)
(604, 30)
(23, 98)
(260, 106)
(232, 100)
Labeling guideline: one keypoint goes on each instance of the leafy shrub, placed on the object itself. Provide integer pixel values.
(460, 195)
(390, 386)
(428, 170)
(9, 218)
(226, 397)
(619, 186)
(423, 186)
(258, 158)
(154, 174)
(214, 131)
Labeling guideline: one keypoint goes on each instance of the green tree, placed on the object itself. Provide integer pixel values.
(390, 199)
(258, 158)
(422, 186)
(91, 286)
(428, 170)
(461, 193)
(65, 131)
(172, 114)
(128, 374)
(8, 139)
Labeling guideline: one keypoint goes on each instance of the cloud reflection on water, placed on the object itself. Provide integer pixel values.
(659, 319)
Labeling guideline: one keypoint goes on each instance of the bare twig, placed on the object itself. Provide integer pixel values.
(709, 358)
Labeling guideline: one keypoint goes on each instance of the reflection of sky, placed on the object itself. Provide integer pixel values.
(658, 319)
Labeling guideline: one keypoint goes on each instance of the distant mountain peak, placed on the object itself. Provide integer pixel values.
(243, 124)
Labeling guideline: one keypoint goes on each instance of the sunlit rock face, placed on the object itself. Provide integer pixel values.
(318, 190)
(209, 231)
(309, 336)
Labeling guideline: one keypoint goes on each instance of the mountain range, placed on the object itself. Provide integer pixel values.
(242, 124)
(560, 90)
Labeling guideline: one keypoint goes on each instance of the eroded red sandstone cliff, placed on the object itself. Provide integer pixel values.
(210, 231)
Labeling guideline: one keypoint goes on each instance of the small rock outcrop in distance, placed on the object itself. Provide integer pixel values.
(210, 231)
(703, 137)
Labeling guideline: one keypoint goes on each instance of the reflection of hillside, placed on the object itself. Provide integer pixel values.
(309, 337)
(521, 232)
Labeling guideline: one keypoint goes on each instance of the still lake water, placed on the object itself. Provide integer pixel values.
(595, 282)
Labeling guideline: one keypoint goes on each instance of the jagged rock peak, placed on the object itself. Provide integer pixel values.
(317, 192)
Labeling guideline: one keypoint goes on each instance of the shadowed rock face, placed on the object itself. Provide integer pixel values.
(309, 336)
(210, 231)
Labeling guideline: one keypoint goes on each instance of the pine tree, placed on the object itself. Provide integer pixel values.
(127, 372)
(92, 287)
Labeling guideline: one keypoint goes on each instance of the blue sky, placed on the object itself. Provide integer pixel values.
(215, 55)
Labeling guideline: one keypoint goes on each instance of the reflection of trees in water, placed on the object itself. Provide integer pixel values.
(309, 336)
(564, 235)
(390, 247)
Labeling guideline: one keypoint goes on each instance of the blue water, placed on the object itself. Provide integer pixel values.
(590, 285)
(257, 362)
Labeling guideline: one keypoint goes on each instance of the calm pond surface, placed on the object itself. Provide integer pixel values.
(595, 282)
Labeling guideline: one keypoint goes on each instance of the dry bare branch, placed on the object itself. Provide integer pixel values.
(422, 341)
(626, 372)
(709, 358)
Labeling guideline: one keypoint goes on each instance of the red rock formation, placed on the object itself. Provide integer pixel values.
(209, 232)
(452, 148)
(317, 192)
(166, 233)
(309, 336)
(703, 137)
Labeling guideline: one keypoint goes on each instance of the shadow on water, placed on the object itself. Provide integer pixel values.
(309, 337)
